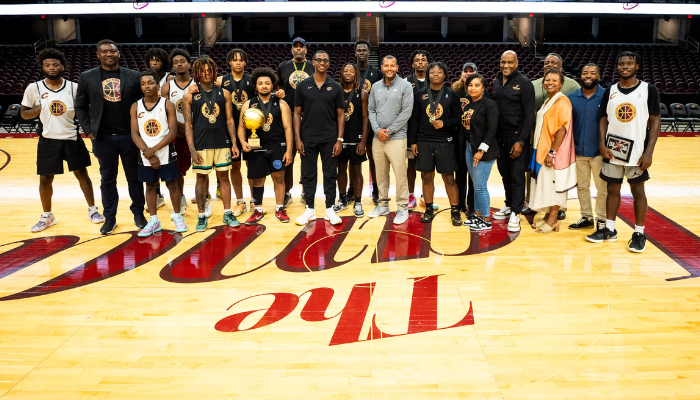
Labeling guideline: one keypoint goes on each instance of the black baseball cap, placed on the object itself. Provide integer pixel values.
(298, 39)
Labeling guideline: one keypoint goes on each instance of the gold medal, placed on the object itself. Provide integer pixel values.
(266, 127)
(432, 119)
(212, 119)
(239, 106)
(347, 117)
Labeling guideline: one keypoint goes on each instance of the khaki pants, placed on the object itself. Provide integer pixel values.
(585, 166)
(391, 153)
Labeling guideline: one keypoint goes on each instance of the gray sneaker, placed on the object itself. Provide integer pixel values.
(359, 212)
(378, 211)
(46, 220)
(401, 217)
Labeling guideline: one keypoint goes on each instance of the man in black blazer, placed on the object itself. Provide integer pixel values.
(103, 102)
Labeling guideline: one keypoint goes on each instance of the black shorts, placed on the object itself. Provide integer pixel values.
(263, 163)
(50, 154)
(167, 172)
(349, 153)
(436, 155)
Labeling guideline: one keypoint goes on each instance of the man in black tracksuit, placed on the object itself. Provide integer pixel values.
(515, 96)
(436, 115)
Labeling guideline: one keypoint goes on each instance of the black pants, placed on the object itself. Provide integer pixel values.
(512, 171)
(108, 150)
(309, 172)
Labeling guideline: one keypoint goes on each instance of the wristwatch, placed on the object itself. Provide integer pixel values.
(341, 139)
(552, 152)
(481, 151)
(522, 144)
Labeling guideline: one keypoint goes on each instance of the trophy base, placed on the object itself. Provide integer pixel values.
(254, 143)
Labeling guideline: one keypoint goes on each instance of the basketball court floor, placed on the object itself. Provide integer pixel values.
(364, 310)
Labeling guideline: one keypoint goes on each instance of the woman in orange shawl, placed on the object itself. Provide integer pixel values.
(552, 168)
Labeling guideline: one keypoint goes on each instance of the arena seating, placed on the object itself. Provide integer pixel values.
(672, 69)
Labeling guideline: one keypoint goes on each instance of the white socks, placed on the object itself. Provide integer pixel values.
(280, 206)
(227, 211)
(610, 224)
(639, 229)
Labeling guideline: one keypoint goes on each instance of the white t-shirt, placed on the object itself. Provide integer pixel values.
(153, 127)
(57, 109)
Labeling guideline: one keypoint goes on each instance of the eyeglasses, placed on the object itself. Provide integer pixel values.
(322, 60)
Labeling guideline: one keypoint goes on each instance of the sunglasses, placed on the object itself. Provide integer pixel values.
(322, 60)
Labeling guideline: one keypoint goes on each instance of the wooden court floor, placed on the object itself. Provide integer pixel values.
(365, 310)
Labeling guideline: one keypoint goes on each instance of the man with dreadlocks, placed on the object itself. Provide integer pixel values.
(356, 128)
(158, 60)
(211, 146)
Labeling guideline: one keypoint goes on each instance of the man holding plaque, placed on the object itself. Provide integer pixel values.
(630, 122)
(319, 134)
(211, 137)
(437, 112)
(267, 141)
(291, 73)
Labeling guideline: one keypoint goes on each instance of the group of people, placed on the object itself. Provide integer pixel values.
(546, 137)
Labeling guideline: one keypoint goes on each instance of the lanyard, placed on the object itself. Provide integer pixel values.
(265, 108)
(298, 72)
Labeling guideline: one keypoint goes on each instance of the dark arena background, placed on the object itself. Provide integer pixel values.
(363, 309)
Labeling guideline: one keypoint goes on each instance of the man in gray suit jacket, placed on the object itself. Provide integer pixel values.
(103, 102)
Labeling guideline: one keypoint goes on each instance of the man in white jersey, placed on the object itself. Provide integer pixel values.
(159, 61)
(153, 129)
(174, 90)
(52, 100)
(629, 127)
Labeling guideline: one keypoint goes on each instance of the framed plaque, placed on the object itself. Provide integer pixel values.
(621, 147)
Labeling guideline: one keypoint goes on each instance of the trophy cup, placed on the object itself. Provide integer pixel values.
(253, 119)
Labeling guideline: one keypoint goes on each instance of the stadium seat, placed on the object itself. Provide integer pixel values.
(667, 119)
(693, 111)
(680, 114)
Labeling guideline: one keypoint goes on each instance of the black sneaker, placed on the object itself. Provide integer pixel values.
(342, 204)
(470, 220)
(561, 215)
(140, 221)
(480, 224)
(528, 211)
(109, 226)
(583, 223)
(456, 218)
(638, 243)
(427, 215)
(604, 235)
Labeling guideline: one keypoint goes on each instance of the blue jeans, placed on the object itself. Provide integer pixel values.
(480, 177)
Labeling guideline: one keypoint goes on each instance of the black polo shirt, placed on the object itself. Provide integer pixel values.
(320, 108)
(516, 105)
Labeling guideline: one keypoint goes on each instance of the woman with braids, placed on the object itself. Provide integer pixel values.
(211, 136)
(552, 167)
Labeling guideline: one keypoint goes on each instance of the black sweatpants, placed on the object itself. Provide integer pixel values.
(512, 171)
(309, 172)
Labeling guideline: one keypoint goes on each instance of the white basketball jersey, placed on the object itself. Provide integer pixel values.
(57, 109)
(163, 81)
(153, 127)
(176, 95)
(627, 117)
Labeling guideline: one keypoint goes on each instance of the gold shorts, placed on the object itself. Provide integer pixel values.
(218, 159)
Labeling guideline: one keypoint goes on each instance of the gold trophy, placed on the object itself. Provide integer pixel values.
(253, 119)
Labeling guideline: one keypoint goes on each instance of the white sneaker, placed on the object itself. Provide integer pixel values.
(46, 220)
(183, 205)
(503, 213)
(513, 222)
(160, 201)
(207, 209)
(378, 211)
(307, 216)
(332, 217)
(401, 217)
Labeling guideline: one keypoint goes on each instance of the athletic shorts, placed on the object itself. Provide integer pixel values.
(436, 155)
(613, 173)
(264, 162)
(50, 154)
(184, 157)
(349, 154)
(167, 172)
(218, 159)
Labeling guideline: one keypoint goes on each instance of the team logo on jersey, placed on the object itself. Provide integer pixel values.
(516, 87)
(464, 103)
(236, 101)
(367, 85)
(625, 112)
(467, 119)
(205, 111)
(438, 111)
(141, 114)
(57, 108)
(296, 77)
(425, 97)
(173, 94)
(152, 128)
(112, 89)
(178, 106)
(197, 96)
(612, 96)
(45, 95)
(413, 85)
(329, 88)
